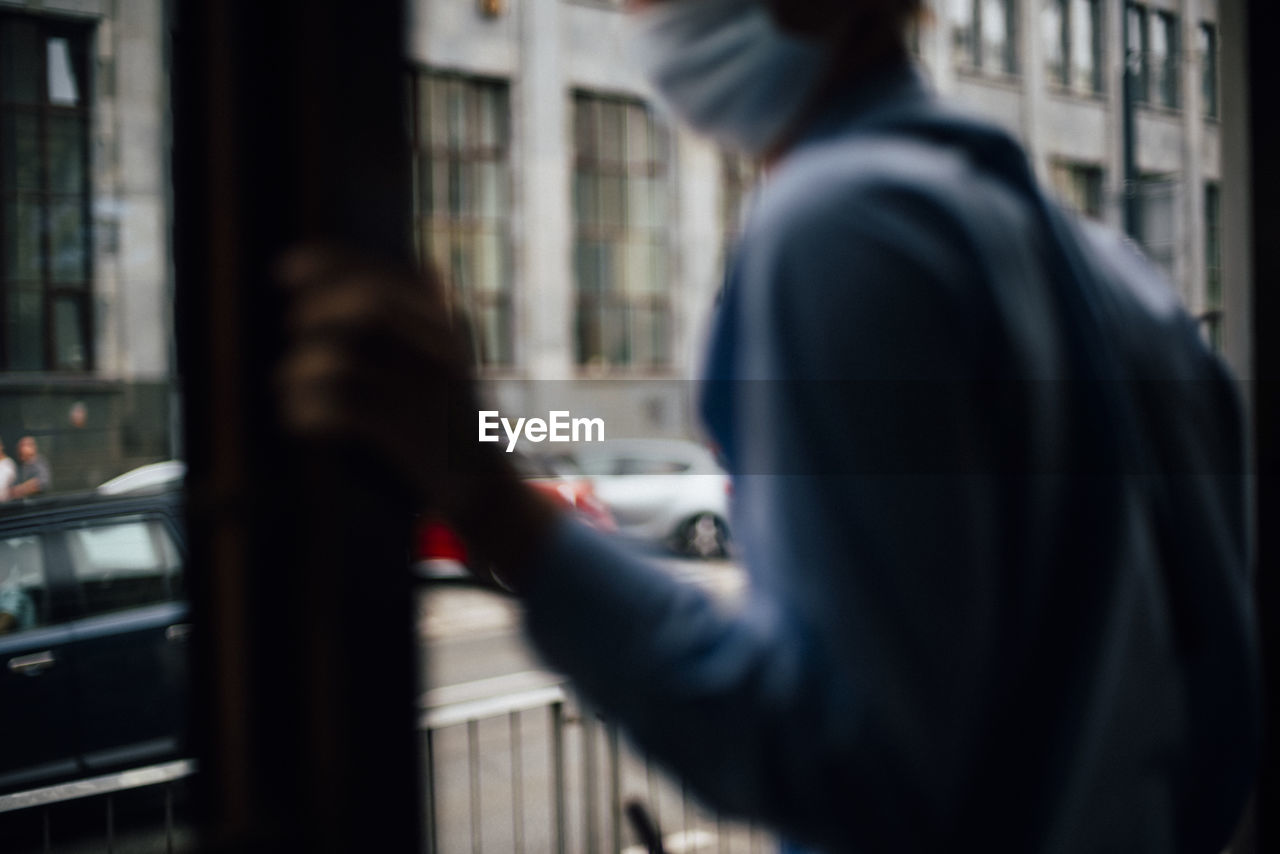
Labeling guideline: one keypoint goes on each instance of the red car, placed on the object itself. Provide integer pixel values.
(438, 551)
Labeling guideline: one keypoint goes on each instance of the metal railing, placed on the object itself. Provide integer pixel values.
(27, 820)
(533, 771)
(522, 773)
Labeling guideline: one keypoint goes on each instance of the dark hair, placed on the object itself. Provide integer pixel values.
(826, 18)
(862, 35)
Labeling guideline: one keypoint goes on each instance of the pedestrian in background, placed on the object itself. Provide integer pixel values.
(8, 473)
(34, 476)
(988, 481)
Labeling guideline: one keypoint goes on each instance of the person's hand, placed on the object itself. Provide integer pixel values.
(372, 361)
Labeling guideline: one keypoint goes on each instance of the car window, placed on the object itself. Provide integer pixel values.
(124, 564)
(637, 465)
(597, 466)
(23, 594)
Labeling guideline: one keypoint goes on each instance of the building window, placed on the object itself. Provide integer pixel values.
(621, 207)
(1073, 43)
(738, 176)
(985, 34)
(1212, 315)
(46, 269)
(1164, 59)
(1159, 196)
(462, 201)
(1138, 54)
(1079, 187)
(1209, 69)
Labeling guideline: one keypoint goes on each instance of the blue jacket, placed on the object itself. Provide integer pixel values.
(989, 489)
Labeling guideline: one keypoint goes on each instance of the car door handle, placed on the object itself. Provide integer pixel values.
(34, 664)
(177, 632)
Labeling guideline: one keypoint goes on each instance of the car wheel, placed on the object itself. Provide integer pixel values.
(704, 536)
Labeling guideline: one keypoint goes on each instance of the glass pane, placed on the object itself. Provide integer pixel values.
(641, 211)
(440, 186)
(1084, 45)
(462, 263)
(643, 323)
(587, 328)
(493, 114)
(26, 329)
(19, 153)
(610, 267)
(20, 61)
(22, 240)
(586, 198)
(661, 268)
(1169, 67)
(69, 259)
(1209, 69)
(438, 112)
(1159, 57)
(68, 331)
(491, 190)
(23, 599)
(611, 133)
(456, 104)
(589, 266)
(460, 203)
(64, 88)
(1138, 59)
(637, 267)
(66, 154)
(584, 136)
(995, 35)
(424, 170)
(639, 150)
(614, 338)
(121, 566)
(612, 214)
(960, 13)
(661, 338)
(489, 261)
(1052, 34)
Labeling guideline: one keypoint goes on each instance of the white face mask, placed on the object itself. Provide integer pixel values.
(725, 68)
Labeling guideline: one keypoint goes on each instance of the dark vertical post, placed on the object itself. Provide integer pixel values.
(1262, 24)
(289, 126)
(1128, 95)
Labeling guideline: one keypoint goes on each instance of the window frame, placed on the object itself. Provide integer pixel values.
(1091, 175)
(173, 577)
(52, 291)
(1063, 77)
(475, 303)
(610, 311)
(1139, 23)
(1169, 89)
(969, 38)
(1210, 91)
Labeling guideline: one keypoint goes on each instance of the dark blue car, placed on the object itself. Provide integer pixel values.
(93, 635)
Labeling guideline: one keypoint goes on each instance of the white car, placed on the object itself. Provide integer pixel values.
(154, 476)
(660, 490)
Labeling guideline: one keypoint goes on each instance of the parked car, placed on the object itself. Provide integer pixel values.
(660, 490)
(93, 638)
(153, 476)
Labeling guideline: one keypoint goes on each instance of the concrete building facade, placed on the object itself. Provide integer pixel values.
(582, 235)
(86, 274)
(1048, 70)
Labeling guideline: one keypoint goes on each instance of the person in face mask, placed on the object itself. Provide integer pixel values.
(969, 625)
